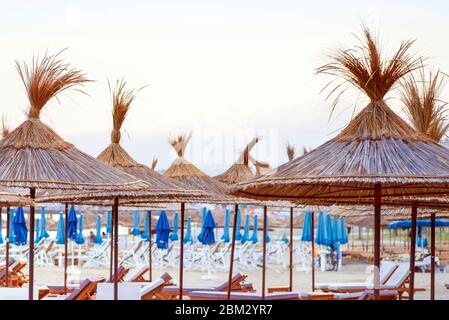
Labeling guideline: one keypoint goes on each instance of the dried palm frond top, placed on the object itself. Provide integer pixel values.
(426, 112)
(33, 155)
(154, 164)
(5, 127)
(376, 148)
(290, 152)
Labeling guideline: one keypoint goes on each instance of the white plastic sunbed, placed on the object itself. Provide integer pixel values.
(387, 268)
(136, 274)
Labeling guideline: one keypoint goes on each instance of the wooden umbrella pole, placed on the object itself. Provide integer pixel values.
(31, 247)
(150, 270)
(377, 226)
(432, 256)
(66, 238)
(111, 242)
(264, 255)
(115, 218)
(413, 251)
(291, 250)
(181, 252)
(231, 261)
(8, 212)
(313, 251)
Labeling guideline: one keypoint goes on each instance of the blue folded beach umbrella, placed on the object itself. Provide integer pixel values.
(225, 237)
(72, 224)
(321, 231)
(109, 223)
(307, 227)
(174, 234)
(188, 236)
(238, 235)
(146, 227)
(254, 239)
(44, 233)
(208, 237)
(60, 231)
(284, 239)
(136, 224)
(343, 233)
(203, 218)
(419, 223)
(20, 227)
(79, 237)
(245, 236)
(162, 231)
(421, 240)
(12, 235)
(335, 230)
(37, 236)
(328, 238)
(1, 231)
(98, 239)
(267, 238)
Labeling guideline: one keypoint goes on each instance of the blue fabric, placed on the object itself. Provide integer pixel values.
(98, 239)
(208, 236)
(328, 230)
(188, 236)
(109, 223)
(245, 236)
(419, 223)
(267, 238)
(421, 240)
(343, 233)
(238, 235)
(174, 234)
(37, 226)
(60, 231)
(12, 235)
(203, 218)
(20, 227)
(1, 231)
(162, 231)
(321, 231)
(79, 237)
(73, 224)
(225, 237)
(136, 224)
(335, 230)
(254, 239)
(44, 233)
(307, 227)
(146, 227)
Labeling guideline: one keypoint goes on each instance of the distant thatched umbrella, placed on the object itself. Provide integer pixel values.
(33, 156)
(377, 155)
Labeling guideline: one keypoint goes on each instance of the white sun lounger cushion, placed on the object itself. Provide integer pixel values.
(134, 273)
(151, 286)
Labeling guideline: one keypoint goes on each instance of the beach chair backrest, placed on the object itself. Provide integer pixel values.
(152, 287)
(386, 270)
(399, 276)
(236, 279)
(136, 273)
(50, 246)
(166, 277)
(18, 266)
(83, 289)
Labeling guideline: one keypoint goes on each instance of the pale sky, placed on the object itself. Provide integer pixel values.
(224, 69)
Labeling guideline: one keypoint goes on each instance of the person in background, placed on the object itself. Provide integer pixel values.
(91, 238)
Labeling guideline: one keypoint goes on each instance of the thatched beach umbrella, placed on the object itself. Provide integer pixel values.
(376, 157)
(33, 156)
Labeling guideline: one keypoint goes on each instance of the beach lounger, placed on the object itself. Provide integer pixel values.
(136, 274)
(85, 291)
(220, 295)
(152, 290)
(237, 284)
(386, 270)
(121, 272)
(368, 295)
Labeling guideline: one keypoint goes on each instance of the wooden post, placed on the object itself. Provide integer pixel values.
(115, 219)
(8, 221)
(111, 242)
(413, 251)
(432, 256)
(291, 250)
(181, 251)
(377, 227)
(66, 238)
(231, 262)
(31, 247)
(313, 251)
(264, 255)
(150, 247)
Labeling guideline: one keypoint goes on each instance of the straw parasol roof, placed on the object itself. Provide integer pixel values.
(376, 148)
(240, 170)
(11, 199)
(35, 156)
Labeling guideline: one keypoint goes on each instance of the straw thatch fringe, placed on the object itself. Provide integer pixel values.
(425, 110)
(10, 199)
(45, 78)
